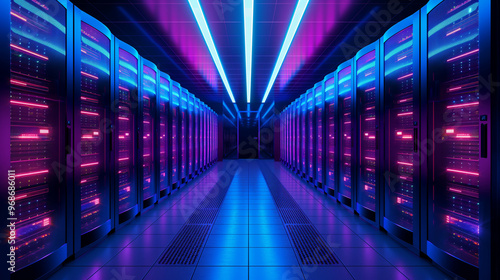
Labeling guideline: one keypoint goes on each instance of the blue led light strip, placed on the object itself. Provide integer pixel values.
(202, 23)
(292, 29)
(248, 15)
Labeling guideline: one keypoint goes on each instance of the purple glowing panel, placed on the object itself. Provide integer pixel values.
(346, 130)
(127, 104)
(367, 94)
(297, 133)
(183, 136)
(149, 92)
(37, 101)
(303, 133)
(163, 136)
(310, 133)
(177, 21)
(453, 85)
(95, 84)
(197, 134)
(175, 134)
(319, 107)
(319, 21)
(330, 131)
(398, 95)
(190, 149)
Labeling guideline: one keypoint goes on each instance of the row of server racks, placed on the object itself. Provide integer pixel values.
(92, 132)
(402, 135)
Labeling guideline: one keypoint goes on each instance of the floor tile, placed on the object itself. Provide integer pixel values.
(227, 240)
(230, 229)
(326, 273)
(95, 257)
(376, 273)
(136, 257)
(221, 273)
(152, 241)
(120, 272)
(275, 273)
(272, 257)
(402, 257)
(267, 229)
(224, 257)
(377, 240)
(270, 241)
(177, 273)
(345, 240)
(360, 257)
(117, 240)
(424, 273)
(74, 273)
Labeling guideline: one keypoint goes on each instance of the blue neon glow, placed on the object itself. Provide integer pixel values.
(454, 44)
(225, 106)
(398, 67)
(149, 90)
(92, 63)
(330, 88)
(366, 67)
(344, 91)
(330, 97)
(292, 29)
(270, 107)
(95, 46)
(162, 86)
(149, 78)
(128, 81)
(38, 40)
(395, 51)
(248, 110)
(205, 31)
(42, 15)
(453, 19)
(362, 83)
(345, 79)
(127, 66)
(237, 110)
(248, 17)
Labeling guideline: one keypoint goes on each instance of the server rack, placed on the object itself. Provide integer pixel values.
(297, 135)
(203, 135)
(400, 72)
(197, 136)
(346, 111)
(164, 135)
(319, 104)
(148, 148)
(331, 165)
(175, 135)
(36, 116)
(303, 135)
(125, 113)
(190, 138)
(368, 116)
(184, 136)
(93, 87)
(310, 128)
(456, 43)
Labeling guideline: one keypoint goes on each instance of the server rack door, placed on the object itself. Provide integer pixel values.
(298, 139)
(458, 173)
(401, 101)
(203, 135)
(183, 136)
(125, 118)
(310, 120)
(303, 134)
(346, 117)
(330, 103)
(164, 134)
(149, 93)
(190, 149)
(34, 114)
(319, 104)
(93, 87)
(293, 136)
(368, 118)
(175, 151)
(197, 136)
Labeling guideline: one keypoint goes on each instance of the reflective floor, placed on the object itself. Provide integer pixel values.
(248, 239)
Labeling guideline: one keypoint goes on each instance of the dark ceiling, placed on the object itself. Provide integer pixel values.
(166, 32)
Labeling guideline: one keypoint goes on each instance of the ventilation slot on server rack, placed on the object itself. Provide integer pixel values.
(305, 238)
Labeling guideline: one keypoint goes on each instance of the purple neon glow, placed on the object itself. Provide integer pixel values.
(185, 36)
(319, 21)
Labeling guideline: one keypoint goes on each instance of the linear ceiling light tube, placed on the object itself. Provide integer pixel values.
(292, 29)
(248, 18)
(205, 31)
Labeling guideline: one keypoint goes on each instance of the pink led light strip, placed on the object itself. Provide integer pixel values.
(462, 172)
(29, 104)
(89, 75)
(89, 164)
(18, 16)
(33, 173)
(462, 55)
(405, 76)
(89, 113)
(462, 105)
(28, 52)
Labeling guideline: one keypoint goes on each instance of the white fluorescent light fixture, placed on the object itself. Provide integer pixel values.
(248, 17)
(205, 31)
(292, 29)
